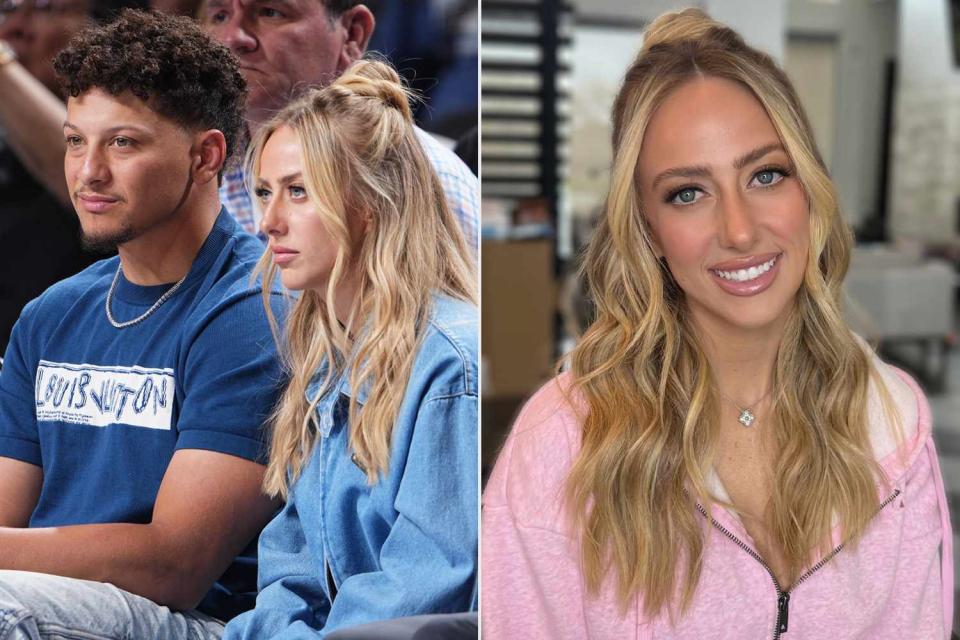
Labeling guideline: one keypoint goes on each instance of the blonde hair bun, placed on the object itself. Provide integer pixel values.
(688, 25)
(375, 79)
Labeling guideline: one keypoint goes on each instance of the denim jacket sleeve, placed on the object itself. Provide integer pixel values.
(291, 602)
(428, 562)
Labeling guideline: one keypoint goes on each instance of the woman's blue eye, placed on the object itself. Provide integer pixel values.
(298, 192)
(770, 177)
(687, 195)
(262, 194)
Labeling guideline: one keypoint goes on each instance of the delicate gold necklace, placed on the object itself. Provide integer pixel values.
(747, 415)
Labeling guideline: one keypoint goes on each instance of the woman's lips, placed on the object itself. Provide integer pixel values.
(284, 256)
(735, 284)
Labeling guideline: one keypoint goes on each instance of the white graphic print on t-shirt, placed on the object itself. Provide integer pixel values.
(100, 396)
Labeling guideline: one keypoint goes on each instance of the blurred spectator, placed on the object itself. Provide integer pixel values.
(38, 29)
(308, 45)
(433, 43)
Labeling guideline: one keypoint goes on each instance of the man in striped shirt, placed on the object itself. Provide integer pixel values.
(286, 46)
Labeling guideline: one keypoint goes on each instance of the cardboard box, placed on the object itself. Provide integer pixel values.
(518, 303)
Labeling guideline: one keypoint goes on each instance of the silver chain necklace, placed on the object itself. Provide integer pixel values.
(146, 314)
(747, 415)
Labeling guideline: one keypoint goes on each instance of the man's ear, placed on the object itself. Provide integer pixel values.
(358, 24)
(208, 155)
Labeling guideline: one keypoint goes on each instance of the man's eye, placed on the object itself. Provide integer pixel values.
(269, 12)
(73, 141)
(217, 17)
(122, 142)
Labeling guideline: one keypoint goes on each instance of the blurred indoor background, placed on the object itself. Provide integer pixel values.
(880, 80)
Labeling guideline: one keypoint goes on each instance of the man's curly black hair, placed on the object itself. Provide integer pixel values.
(165, 60)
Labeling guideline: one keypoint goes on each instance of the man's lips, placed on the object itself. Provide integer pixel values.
(96, 202)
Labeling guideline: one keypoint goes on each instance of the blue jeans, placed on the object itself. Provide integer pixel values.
(37, 606)
(444, 626)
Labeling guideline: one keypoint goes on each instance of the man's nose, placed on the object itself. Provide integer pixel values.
(236, 34)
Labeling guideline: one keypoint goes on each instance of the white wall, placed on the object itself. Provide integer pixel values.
(926, 151)
(864, 32)
(812, 63)
(762, 23)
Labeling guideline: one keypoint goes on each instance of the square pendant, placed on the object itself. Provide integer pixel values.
(747, 417)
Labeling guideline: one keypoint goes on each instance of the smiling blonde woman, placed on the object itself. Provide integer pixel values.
(725, 457)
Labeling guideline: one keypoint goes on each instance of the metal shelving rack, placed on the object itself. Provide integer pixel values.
(521, 42)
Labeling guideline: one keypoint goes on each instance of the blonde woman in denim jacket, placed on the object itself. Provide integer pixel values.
(374, 442)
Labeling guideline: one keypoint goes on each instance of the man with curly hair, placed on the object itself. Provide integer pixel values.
(133, 394)
(287, 46)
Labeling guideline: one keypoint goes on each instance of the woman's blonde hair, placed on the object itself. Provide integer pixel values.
(362, 157)
(651, 405)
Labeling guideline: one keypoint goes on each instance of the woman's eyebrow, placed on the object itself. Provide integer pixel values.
(287, 179)
(698, 171)
(284, 180)
(756, 154)
(701, 171)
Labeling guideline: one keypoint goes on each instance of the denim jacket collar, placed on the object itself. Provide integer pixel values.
(340, 388)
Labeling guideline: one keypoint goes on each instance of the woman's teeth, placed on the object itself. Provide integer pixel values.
(745, 275)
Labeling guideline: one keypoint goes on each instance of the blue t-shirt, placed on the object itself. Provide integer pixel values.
(102, 410)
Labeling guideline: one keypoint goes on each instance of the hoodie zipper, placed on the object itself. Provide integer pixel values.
(783, 597)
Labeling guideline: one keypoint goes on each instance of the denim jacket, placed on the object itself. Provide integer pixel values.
(342, 552)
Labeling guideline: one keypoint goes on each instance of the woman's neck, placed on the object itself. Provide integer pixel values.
(742, 360)
(345, 297)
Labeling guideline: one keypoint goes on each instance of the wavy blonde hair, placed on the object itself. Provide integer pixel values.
(652, 411)
(362, 157)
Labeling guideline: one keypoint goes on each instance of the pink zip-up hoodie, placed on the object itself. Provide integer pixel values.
(896, 584)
